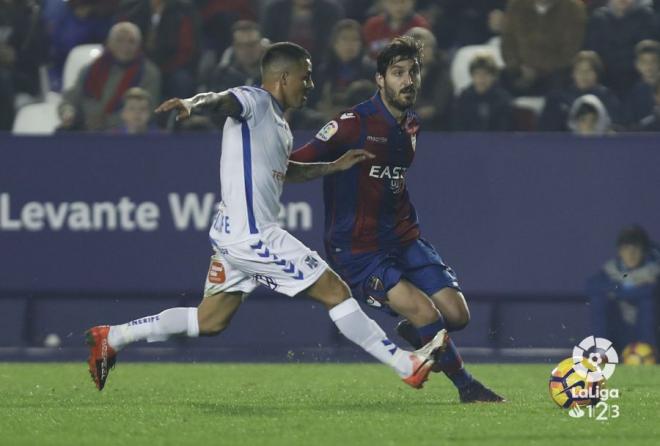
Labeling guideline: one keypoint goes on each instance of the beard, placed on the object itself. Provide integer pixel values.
(398, 100)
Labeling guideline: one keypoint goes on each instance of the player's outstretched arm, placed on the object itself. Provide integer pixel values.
(299, 172)
(223, 103)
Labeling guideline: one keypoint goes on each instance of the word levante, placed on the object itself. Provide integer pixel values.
(187, 211)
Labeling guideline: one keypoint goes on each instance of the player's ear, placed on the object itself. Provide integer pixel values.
(380, 80)
(284, 77)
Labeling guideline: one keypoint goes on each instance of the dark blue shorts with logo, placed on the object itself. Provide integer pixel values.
(372, 275)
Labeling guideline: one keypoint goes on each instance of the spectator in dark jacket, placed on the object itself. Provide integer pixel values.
(651, 123)
(172, 40)
(345, 64)
(22, 50)
(639, 101)
(305, 22)
(484, 106)
(624, 293)
(613, 32)
(80, 22)
(240, 65)
(587, 69)
(466, 22)
(539, 41)
(434, 98)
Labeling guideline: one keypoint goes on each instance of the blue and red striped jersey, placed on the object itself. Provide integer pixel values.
(367, 208)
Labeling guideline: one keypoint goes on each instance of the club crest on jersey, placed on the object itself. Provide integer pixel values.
(327, 131)
(311, 262)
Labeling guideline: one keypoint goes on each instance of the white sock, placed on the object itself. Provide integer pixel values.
(159, 327)
(359, 328)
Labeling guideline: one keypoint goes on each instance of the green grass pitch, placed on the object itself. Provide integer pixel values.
(305, 404)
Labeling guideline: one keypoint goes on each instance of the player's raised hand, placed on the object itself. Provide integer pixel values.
(182, 106)
(351, 158)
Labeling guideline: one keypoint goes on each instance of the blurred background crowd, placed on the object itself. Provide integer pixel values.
(584, 66)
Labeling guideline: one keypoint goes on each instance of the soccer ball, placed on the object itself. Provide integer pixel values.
(568, 389)
(638, 353)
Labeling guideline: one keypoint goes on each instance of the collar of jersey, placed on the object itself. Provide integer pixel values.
(279, 106)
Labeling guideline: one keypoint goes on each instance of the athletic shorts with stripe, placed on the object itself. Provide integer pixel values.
(273, 258)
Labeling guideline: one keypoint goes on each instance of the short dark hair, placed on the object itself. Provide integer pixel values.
(343, 25)
(283, 51)
(633, 235)
(484, 62)
(592, 58)
(245, 25)
(400, 48)
(137, 93)
(647, 46)
(586, 108)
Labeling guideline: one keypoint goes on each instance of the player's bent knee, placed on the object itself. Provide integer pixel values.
(458, 321)
(329, 289)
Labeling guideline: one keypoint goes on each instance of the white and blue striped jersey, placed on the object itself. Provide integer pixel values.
(253, 164)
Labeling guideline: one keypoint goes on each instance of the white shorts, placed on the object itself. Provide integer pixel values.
(274, 258)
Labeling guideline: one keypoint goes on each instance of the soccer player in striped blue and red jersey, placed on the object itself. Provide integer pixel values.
(372, 233)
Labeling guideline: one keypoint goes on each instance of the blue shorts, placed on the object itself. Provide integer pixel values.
(373, 274)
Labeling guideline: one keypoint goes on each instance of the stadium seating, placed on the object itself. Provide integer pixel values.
(78, 57)
(36, 119)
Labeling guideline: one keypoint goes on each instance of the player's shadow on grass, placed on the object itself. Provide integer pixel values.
(386, 407)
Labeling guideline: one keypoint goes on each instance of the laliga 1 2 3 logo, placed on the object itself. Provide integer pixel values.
(580, 381)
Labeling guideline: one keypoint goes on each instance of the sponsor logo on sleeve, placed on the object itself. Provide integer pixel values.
(328, 131)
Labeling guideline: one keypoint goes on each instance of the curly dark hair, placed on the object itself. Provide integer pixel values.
(400, 48)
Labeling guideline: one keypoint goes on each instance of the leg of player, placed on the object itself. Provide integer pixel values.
(210, 318)
(353, 323)
(449, 361)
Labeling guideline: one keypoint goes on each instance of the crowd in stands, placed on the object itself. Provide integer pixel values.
(589, 66)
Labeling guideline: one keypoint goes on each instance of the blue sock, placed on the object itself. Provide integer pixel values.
(450, 361)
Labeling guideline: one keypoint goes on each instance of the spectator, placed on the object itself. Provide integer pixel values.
(218, 17)
(466, 22)
(484, 106)
(539, 41)
(651, 123)
(172, 33)
(587, 70)
(22, 50)
(613, 32)
(399, 16)
(95, 100)
(305, 22)
(588, 117)
(624, 292)
(136, 113)
(345, 64)
(434, 98)
(639, 101)
(79, 22)
(240, 65)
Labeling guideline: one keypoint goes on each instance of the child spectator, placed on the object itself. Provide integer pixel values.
(588, 117)
(624, 293)
(136, 112)
(484, 106)
(639, 100)
(587, 69)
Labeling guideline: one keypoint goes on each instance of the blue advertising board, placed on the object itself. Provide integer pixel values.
(512, 213)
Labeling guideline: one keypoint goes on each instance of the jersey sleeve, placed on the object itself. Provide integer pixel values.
(332, 141)
(254, 102)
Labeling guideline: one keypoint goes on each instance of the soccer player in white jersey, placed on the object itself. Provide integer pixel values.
(250, 248)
